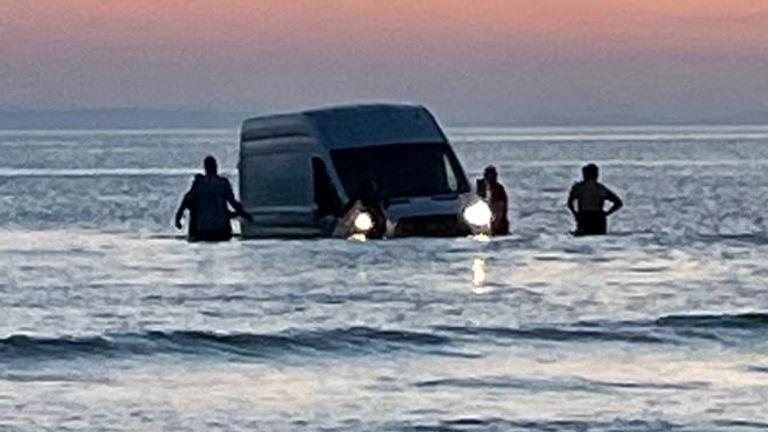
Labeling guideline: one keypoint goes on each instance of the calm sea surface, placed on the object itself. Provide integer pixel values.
(109, 321)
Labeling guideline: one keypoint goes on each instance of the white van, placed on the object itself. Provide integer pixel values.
(300, 173)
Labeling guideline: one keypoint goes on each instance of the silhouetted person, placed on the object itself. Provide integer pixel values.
(189, 203)
(207, 201)
(587, 203)
(496, 196)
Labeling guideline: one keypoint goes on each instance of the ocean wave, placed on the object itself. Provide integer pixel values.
(355, 340)
(553, 334)
(470, 424)
(725, 329)
(756, 238)
(557, 385)
(100, 172)
(730, 330)
(467, 424)
(754, 320)
(758, 369)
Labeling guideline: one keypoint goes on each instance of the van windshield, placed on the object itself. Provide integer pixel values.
(399, 171)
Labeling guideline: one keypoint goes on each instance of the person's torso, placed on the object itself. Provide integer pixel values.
(497, 198)
(496, 192)
(590, 196)
(211, 203)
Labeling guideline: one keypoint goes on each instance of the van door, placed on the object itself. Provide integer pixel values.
(276, 187)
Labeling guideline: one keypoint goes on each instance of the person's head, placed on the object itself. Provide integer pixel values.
(490, 175)
(210, 165)
(590, 172)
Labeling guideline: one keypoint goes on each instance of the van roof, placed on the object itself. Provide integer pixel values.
(352, 109)
(351, 125)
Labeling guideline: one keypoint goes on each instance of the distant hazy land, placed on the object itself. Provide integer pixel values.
(140, 118)
(118, 118)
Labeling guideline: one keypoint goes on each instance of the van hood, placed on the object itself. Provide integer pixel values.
(438, 216)
(452, 205)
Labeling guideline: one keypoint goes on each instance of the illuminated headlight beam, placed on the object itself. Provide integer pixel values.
(478, 214)
(363, 222)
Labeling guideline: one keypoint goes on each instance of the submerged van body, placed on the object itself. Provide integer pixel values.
(301, 172)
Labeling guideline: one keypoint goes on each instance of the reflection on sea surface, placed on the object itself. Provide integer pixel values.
(479, 276)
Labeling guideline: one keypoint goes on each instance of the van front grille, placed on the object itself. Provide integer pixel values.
(431, 226)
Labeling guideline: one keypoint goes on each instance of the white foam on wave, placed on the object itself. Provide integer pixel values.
(101, 172)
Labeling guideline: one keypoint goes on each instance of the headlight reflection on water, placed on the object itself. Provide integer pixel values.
(479, 276)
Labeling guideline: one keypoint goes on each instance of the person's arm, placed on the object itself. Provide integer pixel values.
(498, 208)
(499, 202)
(572, 200)
(183, 206)
(186, 202)
(616, 202)
(239, 209)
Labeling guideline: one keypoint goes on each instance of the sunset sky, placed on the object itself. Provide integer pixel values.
(472, 61)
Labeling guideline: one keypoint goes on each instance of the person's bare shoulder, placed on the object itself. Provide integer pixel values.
(576, 186)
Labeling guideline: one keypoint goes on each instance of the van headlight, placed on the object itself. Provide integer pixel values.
(478, 214)
(363, 222)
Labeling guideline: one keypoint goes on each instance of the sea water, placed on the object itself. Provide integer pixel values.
(111, 321)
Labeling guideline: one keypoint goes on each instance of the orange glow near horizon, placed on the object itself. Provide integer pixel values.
(489, 59)
(437, 24)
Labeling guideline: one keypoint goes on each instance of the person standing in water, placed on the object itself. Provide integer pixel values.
(496, 196)
(586, 201)
(207, 201)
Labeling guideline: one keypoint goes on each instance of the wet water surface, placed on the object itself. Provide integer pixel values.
(110, 321)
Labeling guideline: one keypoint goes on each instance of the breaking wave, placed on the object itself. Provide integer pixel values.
(730, 330)
(352, 340)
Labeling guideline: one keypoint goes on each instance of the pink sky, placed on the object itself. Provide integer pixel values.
(489, 59)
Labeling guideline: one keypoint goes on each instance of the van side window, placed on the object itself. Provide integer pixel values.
(450, 175)
(276, 179)
(327, 199)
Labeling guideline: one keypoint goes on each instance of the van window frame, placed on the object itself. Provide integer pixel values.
(335, 205)
(462, 182)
